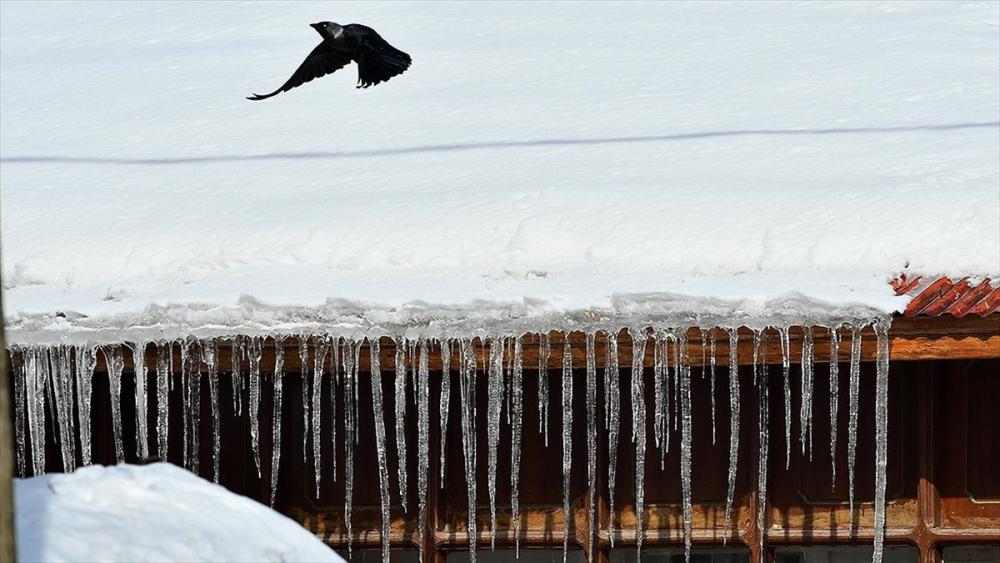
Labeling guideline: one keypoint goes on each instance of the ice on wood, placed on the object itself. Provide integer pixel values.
(276, 414)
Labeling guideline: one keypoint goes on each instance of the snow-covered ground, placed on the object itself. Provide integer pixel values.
(537, 160)
(156, 512)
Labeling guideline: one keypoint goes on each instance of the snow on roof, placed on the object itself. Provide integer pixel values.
(155, 512)
(537, 161)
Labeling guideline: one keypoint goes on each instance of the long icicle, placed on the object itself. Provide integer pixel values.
(316, 409)
(834, 400)
(194, 389)
(35, 394)
(383, 469)
(306, 402)
(712, 363)
(591, 443)
(116, 365)
(660, 400)
(515, 443)
(254, 406)
(805, 406)
(238, 353)
(444, 402)
(852, 421)
(639, 432)
(881, 432)
(734, 426)
(684, 392)
(211, 354)
(278, 382)
(613, 391)
(543, 386)
(468, 399)
(163, 352)
(494, 404)
(763, 422)
(567, 435)
(422, 383)
(86, 361)
(20, 375)
(785, 371)
(62, 404)
(400, 417)
(349, 355)
(334, 349)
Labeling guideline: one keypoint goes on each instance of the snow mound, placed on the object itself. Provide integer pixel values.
(155, 512)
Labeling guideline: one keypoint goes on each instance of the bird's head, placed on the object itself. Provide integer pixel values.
(328, 30)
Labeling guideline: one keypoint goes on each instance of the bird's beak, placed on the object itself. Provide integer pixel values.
(316, 26)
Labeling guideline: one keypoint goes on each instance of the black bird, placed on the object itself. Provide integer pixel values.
(377, 60)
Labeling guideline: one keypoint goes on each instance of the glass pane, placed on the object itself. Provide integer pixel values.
(861, 554)
(677, 555)
(375, 556)
(971, 554)
(507, 555)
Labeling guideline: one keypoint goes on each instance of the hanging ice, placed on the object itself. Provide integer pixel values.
(194, 389)
(613, 391)
(711, 383)
(163, 351)
(422, 383)
(639, 432)
(567, 435)
(210, 353)
(20, 376)
(805, 408)
(881, 432)
(834, 392)
(493, 411)
(785, 371)
(591, 442)
(734, 425)
(684, 392)
(306, 385)
(661, 403)
(445, 400)
(468, 400)
(85, 363)
(279, 376)
(62, 403)
(350, 355)
(852, 420)
(35, 390)
(763, 421)
(316, 411)
(383, 468)
(515, 443)
(238, 353)
(116, 364)
(543, 386)
(333, 348)
(400, 418)
(141, 405)
(254, 406)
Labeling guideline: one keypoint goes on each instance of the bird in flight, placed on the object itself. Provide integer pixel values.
(378, 61)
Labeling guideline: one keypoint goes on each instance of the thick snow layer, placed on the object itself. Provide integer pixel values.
(536, 158)
(156, 512)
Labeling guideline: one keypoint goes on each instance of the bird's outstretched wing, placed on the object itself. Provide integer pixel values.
(323, 60)
(379, 61)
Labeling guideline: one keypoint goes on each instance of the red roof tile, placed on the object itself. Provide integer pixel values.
(933, 297)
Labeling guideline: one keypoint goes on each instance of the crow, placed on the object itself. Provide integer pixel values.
(378, 61)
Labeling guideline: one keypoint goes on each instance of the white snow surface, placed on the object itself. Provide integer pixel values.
(538, 162)
(155, 512)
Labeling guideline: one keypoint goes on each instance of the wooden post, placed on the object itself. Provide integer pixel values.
(7, 551)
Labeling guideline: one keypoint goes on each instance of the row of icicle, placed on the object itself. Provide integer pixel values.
(64, 373)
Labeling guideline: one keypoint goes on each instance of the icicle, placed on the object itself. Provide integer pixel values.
(684, 392)
(591, 442)
(613, 391)
(400, 419)
(567, 435)
(713, 361)
(852, 421)
(85, 363)
(194, 388)
(254, 406)
(661, 403)
(834, 392)
(279, 377)
(785, 371)
(543, 386)
(333, 347)
(306, 385)
(515, 442)
(881, 432)
(805, 408)
(493, 411)
(383, 468)
(116, 364)
(763, 421)
(185, 402)
(349, 354)
(734, 425)
(316, 411)
(422, 383)
(210, 353)
(69, 390)
(141, 404)
(639, 433)
(20, 376)
(163, 351)
(35, 397)
(239, 351)
(468, 399)
(59, 374)
(445, 400)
